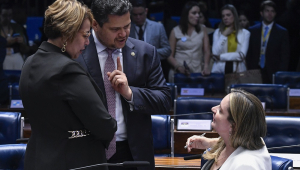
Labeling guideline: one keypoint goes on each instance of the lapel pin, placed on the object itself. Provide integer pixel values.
(132, 54)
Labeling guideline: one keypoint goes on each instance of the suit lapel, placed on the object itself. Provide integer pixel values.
(129, 61)
(133, 31)
(148, 31)
(92, 62)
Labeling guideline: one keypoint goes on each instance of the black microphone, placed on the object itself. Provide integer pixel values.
(125, 164)
(193, 157)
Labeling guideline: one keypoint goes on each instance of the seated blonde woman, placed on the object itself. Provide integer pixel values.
(240, 122)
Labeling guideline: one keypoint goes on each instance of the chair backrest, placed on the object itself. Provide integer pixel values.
(161, 131)
(283, 131)
(12, 156)
(275, 96)
(279, 163)
(288, 78)
(13, 75)
(14, 91)
(173, 92)
(214, 83)
(186, 105)
(10, 127)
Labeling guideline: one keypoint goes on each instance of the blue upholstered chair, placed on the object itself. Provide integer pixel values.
(290, 79)
(10, 127)
(278, 163)
(275, 96)
(13, 75)
(186, 105)
(283, 131)
(161, 131)
(173, 92)
(14, 91)
(12, 156)
(212, 84)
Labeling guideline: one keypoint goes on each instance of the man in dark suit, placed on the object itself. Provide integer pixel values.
(269, 44)
(137, 80)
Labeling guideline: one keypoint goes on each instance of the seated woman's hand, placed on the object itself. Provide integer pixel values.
(199, 142)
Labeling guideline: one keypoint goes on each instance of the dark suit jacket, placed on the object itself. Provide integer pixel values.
(59, 96)
(151, 95)
(277, 52)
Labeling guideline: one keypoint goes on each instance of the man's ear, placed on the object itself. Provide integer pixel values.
(95, 25)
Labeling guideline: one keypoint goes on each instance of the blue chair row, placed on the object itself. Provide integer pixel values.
(12, 156)
(290, 79)
(161, 131)
(11, 127)
(275, 96)
(283, 134)
(187, 105)
(212, 84)
(13, 76)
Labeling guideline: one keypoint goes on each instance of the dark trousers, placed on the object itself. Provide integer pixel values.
(122, 154)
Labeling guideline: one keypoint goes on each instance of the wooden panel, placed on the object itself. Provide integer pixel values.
(294, 102)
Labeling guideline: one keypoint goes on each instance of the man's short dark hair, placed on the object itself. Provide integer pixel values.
(102, 8)
(138, 3)
(267, 3)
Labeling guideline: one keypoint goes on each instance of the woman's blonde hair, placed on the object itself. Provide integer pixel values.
(64, 18)
(247, 118)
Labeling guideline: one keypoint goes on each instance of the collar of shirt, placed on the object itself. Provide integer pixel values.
(270, 25)
(138, 28)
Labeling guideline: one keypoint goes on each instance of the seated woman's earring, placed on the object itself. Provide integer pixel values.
(63, 49)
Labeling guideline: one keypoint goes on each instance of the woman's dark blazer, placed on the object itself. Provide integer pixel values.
(59, 96)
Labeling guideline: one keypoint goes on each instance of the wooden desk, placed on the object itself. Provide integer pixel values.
(167, 163)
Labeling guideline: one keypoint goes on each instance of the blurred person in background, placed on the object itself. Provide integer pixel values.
(230, 43)
(189, 43)
(15, 37)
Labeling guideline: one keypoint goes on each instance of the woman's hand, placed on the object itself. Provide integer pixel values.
(228, 31)
(182, 70)
(200, 142)
(205, 71)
